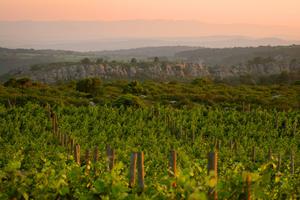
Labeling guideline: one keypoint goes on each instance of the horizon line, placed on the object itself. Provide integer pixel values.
(151, 20)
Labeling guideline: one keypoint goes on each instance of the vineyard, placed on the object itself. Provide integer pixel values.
(157, 152)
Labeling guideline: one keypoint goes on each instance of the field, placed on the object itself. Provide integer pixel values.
(256, 152)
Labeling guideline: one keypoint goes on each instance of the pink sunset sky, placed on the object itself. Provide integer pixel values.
(263, 12)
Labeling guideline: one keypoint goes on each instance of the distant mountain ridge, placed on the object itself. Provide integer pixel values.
(115, 44)
(113, 35)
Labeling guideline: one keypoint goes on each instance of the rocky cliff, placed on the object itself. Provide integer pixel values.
(157, 71)
(182, 63)
(119, 71)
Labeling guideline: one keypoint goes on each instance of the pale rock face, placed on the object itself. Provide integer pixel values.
(155, 71)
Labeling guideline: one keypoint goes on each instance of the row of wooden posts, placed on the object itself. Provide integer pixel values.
(137, 160)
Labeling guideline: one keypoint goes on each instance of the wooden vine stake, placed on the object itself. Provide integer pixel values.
(231, 145)
(132, 172)
(236, 147)
(193, 136)
(77, 154)
(111, 157)
(48, 110)
(270, 154)
(248, 181)
(276, 121)
(96, 154)
(141, 172)
(217, 144)
(254, 154)
(108, 152)
(294, 128)
(173, 165)
(57, 135)
(53, 125)
(71, 145)
(66, 142)
(292, 164)
(63, 136)
(59, 138)
(212, 169)
(279, 162)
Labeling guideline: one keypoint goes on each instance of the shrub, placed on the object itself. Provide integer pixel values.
(133, 60)
(99, 61)
(297, 82)
(86, 61)
(128, 100)
(89, 85)
(11, 83)
(134, 87)
(20, 83)
(202, 81)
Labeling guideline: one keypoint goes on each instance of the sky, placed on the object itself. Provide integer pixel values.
(262, 12)
(70, 23)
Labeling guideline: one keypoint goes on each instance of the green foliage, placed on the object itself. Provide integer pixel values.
(89, 85)
(260, 60)
(156, 59)
(34, 166)
(133, 60)
(11, 83)
(21, 83)
(283, 77)
(128, 100)
(202, 81)
(99, 61)
(86, 61)
(135, 88)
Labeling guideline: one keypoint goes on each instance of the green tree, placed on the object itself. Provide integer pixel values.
(133, 60)
(89, 85)
(99, 61)
(283, 77)
(128, 100)
(202, 81)
(86, 61)
(11, 83)
(24, 82)
(21, 83)
(134, 87)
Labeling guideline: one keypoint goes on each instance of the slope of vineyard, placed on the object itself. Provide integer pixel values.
(34, 164)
